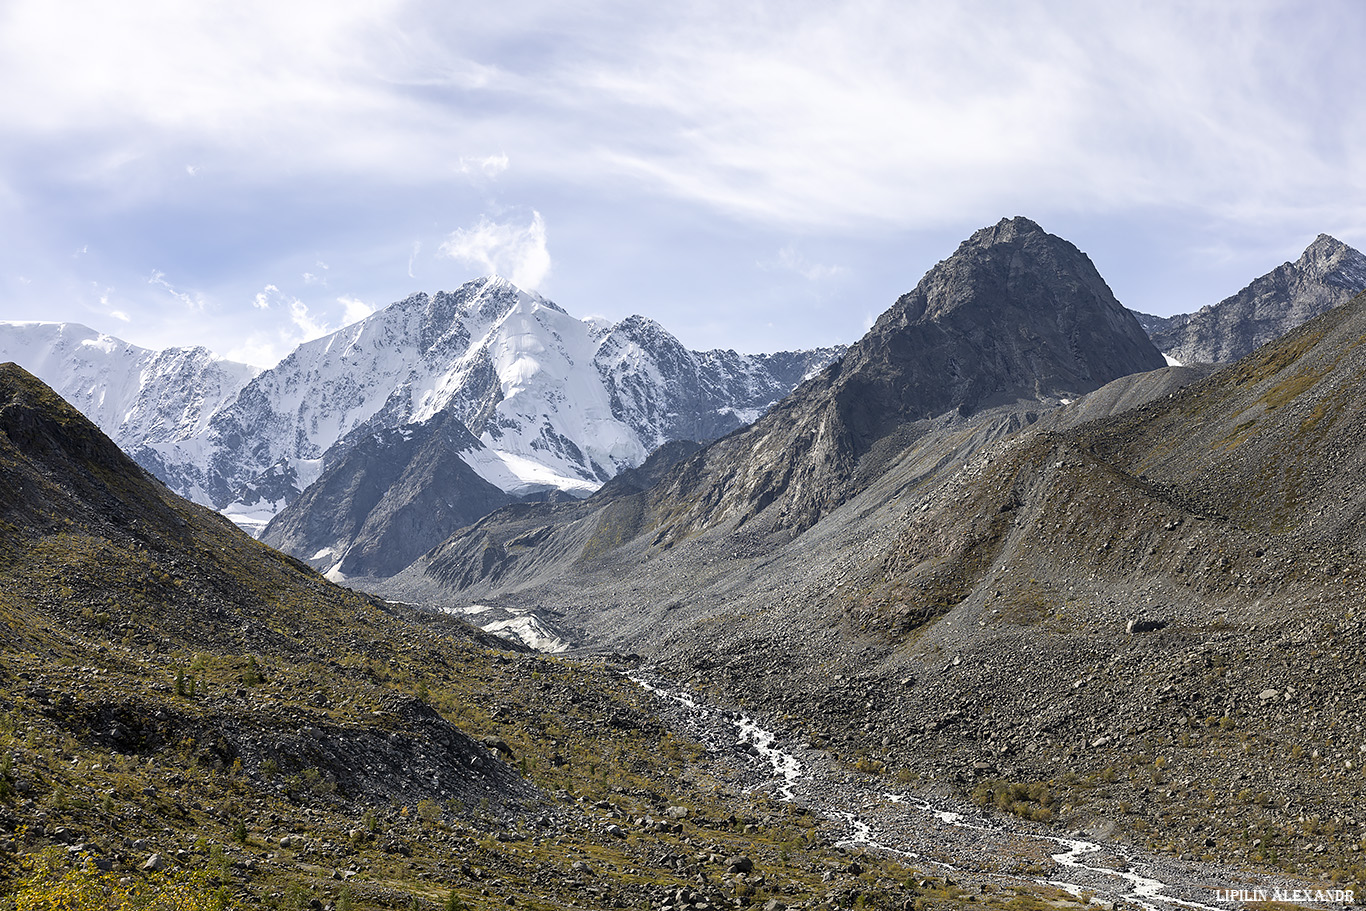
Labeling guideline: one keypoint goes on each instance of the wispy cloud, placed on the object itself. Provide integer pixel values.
(309, 326)
(263, 297)
(517, 253)
(788, 259)
(412, 257)
(362, 127)
(861, 113)
(488, 166)
(190, 299)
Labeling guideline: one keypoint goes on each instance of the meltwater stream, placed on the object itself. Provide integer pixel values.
(914, 828)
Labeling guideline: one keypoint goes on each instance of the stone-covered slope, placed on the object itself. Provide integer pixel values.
(1328, 274)
(99, 561)
(1027, 600)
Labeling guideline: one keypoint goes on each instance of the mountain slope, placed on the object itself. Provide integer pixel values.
(1327, 274)
(1015, 314)
(193, 720)
(388, 499)
(1036, 603)
(96, 552)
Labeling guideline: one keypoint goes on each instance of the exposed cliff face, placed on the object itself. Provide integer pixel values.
(1328, 274)
(1015, 314)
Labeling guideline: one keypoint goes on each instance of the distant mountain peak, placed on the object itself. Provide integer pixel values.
(1326, 275)
(1334, 262)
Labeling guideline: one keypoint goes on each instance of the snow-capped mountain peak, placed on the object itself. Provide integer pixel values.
(552, 403)
(135, 395)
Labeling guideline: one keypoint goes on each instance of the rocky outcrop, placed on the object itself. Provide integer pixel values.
(1016, 314)
(1328, 274)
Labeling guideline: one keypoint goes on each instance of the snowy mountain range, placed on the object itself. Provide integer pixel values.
(137, 396)
(551, 402)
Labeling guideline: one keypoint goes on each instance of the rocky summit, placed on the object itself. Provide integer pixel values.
(1328, 274)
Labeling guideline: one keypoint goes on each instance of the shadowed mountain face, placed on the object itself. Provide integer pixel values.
(389, 497)
(1328, 274)
(1016, 314)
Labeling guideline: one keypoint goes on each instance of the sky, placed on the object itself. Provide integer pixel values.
(752, 175)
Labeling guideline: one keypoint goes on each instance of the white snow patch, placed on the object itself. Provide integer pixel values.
(519, 475)
(529, 630)
(1171, 361)
(469, 610)
(325, 552)
(253, 519)
(518, 624)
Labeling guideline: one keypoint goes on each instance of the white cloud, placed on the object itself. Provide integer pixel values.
(263, 297)
(118, 315)
(309, 327)
(490, 166)
(306, 326)
(192, 170)
(354, 310)
(193, 300)
(517, 253)
(865, 113)
(790, 260)
(311, 279)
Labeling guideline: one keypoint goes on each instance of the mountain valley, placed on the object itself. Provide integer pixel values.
(993, 609)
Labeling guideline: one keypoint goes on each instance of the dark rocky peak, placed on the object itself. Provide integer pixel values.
(1013, 268)
(1016, 312)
